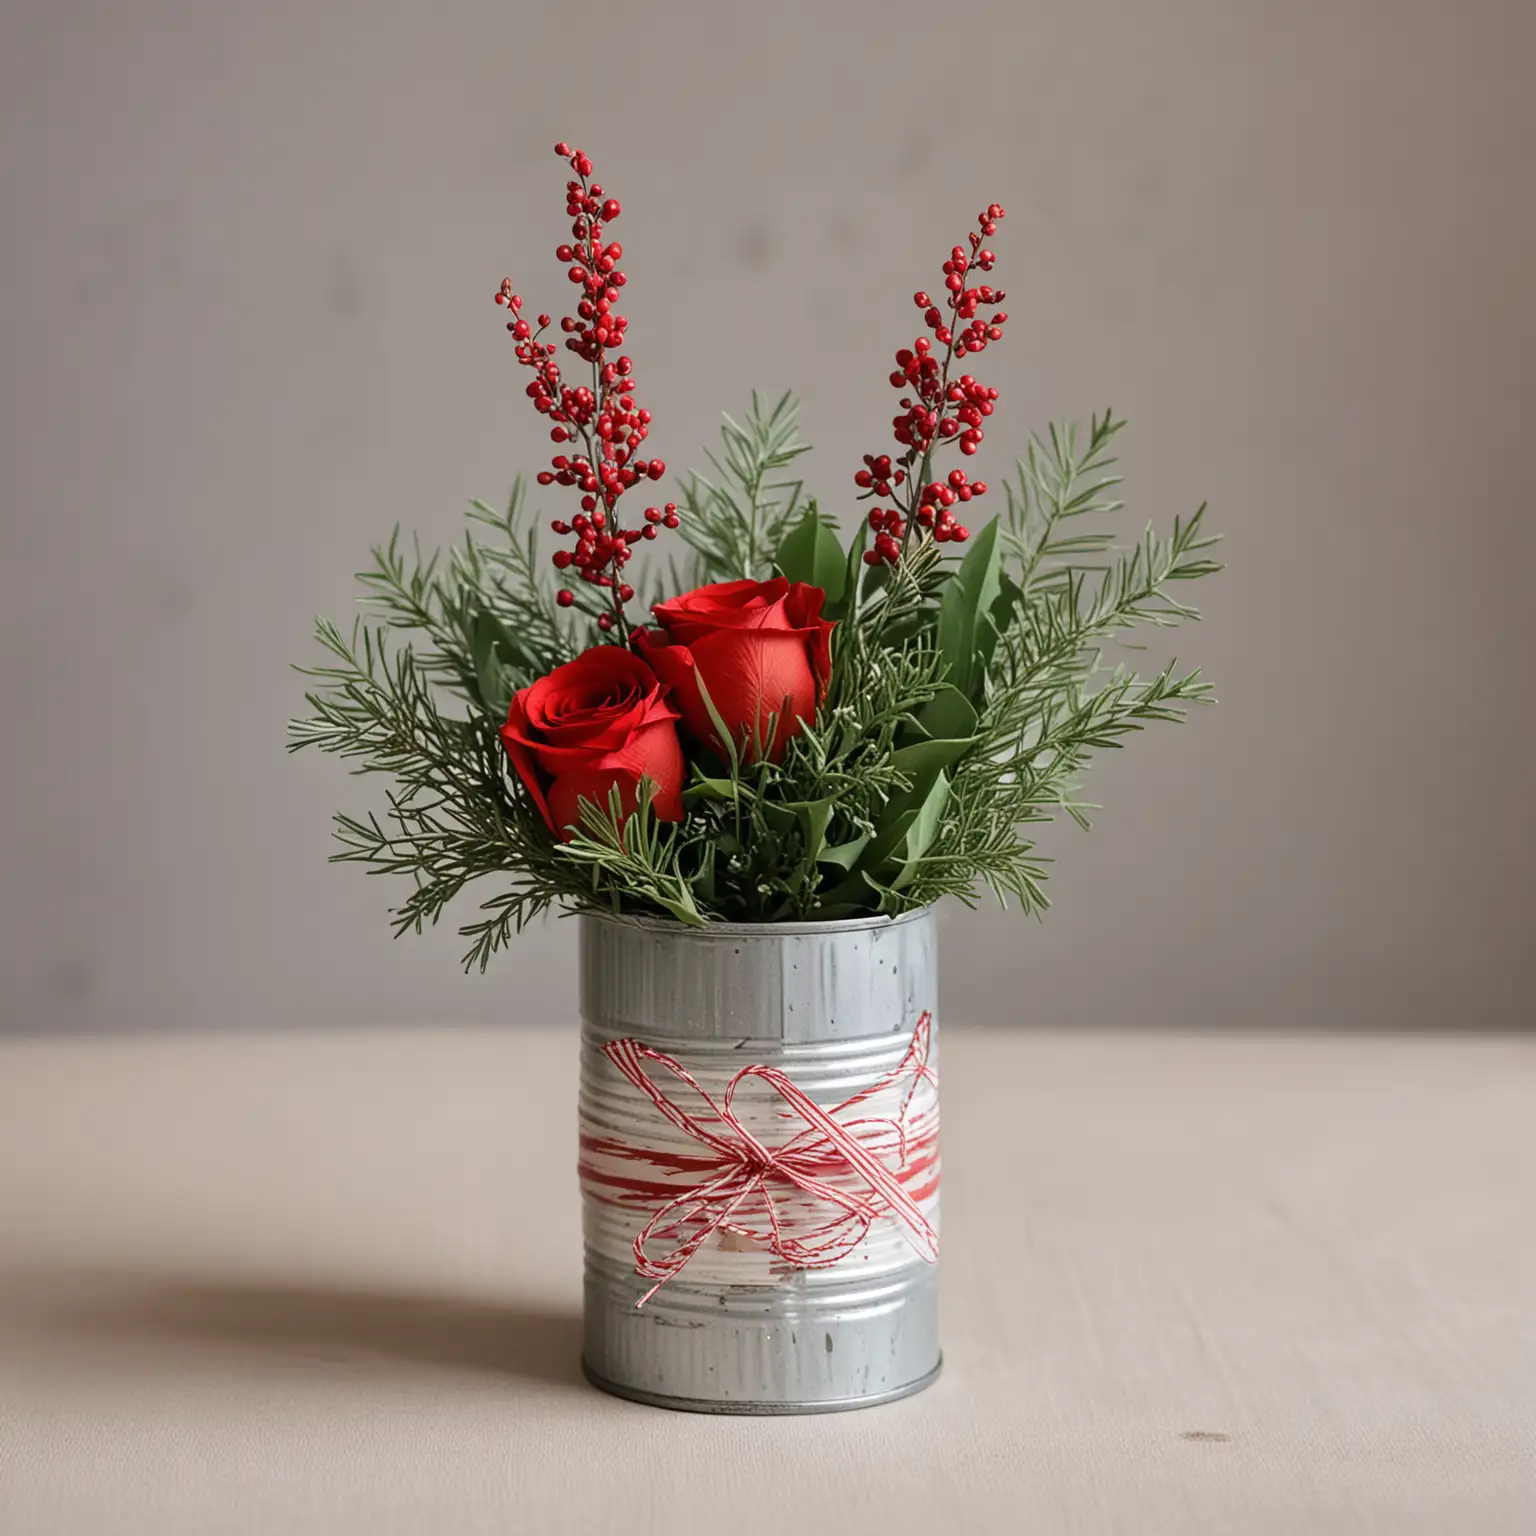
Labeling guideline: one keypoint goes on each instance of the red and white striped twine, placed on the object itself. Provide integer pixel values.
(733, 1181)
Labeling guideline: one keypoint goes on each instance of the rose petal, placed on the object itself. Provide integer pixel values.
(724, 605)
(753, 677)
(522, 758)
(674, 665)
(591, 783)
(653, 752)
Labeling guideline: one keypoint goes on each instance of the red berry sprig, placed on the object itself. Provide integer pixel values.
(600, 418)
(937, 407)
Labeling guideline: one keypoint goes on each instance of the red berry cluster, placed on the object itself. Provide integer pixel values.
(938, 408)
(878, 475)
(933, 515)
(602, 417)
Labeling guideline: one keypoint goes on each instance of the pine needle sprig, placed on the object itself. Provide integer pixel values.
(452, 816)
(635, 855)
(508, 577)
(1057, 485)
(735, 521)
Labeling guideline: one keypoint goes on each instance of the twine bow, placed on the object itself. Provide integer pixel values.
(740, 1169)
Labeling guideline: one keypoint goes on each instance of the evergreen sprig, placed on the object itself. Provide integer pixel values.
(451, 814)
(734, 522)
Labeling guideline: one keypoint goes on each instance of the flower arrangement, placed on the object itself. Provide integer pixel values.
(783, 727)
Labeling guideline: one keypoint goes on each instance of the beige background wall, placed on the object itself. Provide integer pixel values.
(245, 326)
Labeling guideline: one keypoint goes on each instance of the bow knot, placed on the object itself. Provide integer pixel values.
(733, 1180)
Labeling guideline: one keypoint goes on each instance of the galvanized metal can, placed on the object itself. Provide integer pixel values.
(840, 1013)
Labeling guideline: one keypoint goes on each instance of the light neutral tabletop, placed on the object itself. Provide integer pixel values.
(327, 1283)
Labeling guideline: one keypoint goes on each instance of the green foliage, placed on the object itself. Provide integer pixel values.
(450, 817)
(811, 552)
(769, 842)
(1051, 699)
(967, 627)
(735, 521)
(635, 856)
(967, 697)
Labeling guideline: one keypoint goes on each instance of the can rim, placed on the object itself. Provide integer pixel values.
(672, 927)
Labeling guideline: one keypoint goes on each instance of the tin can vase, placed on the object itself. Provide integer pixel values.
(760, 1162)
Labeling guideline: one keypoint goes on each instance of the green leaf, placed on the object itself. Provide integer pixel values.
(781, 820)
(810, 552)
(681, 906)
(922, 830)
(703, 787)
(489, 628)
(924, 758)
(948, 716)
(736, 515)
(1006, 606)
(844, 855)
(852, 569)
(966, 631)
(884, 852)
(704, 882)
(874, 855)
(499, 662)
(814, 817)
(932, 800)
(492, 684)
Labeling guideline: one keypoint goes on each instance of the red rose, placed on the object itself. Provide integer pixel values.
(599, 721)
(761, 648)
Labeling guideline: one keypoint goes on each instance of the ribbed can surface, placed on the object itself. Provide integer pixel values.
(841, 1012)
